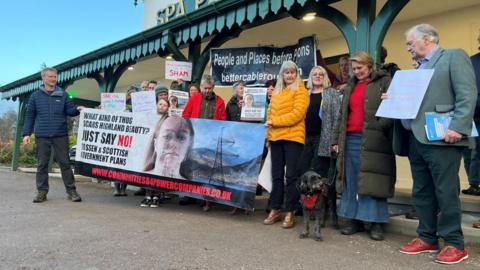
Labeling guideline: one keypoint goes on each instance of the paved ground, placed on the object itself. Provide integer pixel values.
(104, 232)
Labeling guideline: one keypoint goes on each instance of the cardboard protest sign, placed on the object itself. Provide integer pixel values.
(256, 65)
(212, 160)
(178, 70)
(178, 100)
(113, 102)
(254, 104)
(405, 94)
(144, 101)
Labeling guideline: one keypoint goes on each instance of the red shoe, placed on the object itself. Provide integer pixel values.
(451, 255)
(417, 246)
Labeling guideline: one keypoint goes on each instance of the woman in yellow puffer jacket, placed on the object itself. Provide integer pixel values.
(286, 135)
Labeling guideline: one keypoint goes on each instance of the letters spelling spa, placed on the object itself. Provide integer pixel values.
(181, 8)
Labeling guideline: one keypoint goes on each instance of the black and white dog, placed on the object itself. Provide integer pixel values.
(314, 198)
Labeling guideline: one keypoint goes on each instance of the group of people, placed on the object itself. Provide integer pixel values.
(309, 125)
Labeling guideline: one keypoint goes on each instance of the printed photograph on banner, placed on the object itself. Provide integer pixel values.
(113, 102)
(178, 100)
(254, 104)
(144, 101)
(206, 159)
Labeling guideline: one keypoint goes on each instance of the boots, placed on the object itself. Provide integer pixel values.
(120, 189)
(289, 220)
(273, 217)
(353, 227)
(376, 232)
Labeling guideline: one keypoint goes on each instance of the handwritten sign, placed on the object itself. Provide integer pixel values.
(178, 70)
(405, 94)
(113, 102)
(144, 101)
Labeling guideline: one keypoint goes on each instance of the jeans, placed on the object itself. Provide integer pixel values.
(60, 151)
(285, 154)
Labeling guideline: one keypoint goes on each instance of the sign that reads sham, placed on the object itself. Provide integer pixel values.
(181, 8)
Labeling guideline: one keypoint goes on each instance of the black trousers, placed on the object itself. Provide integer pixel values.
(285, 154)
(60, 151)
(309, 159)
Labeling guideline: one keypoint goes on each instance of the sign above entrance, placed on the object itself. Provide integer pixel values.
(181, 8)
(257, 65)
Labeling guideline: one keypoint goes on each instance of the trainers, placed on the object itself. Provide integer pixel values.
(451, 255)
(417, 246)
(40, 197)
(472, 190)
(74, 196)
(146, 202)
(155, 202)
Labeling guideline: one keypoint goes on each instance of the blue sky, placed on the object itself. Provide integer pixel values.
(54, 31)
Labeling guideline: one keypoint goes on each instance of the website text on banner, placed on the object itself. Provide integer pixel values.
(217, 161)
(256, 65)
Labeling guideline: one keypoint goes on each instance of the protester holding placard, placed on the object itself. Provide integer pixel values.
(366, 163)
(235, 104)
(286, 135)
(322, 115)
(435, 164)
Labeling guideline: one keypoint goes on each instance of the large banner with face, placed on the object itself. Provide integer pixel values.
(257, 65)
(212, 160)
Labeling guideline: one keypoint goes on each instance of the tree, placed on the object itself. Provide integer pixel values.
(7, 126)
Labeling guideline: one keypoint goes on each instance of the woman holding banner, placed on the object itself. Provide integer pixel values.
(286, 135)
(366, 163)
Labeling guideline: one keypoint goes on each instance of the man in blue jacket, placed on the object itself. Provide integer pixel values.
(46, 116)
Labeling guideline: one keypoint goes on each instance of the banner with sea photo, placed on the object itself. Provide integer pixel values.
(218, 161)
(257, 65)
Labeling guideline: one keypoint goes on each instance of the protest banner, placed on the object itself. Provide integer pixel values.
(254, 102)
(178, 70)
(256, 65)
(178, 100)
(405, 94)
(144, 101)
(211, 160)
(113, 102)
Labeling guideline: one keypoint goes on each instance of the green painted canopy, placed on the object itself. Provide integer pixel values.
(219, 16)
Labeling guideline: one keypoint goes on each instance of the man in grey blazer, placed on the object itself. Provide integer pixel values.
(435, 164)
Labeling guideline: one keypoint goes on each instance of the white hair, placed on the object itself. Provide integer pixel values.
(421, 30)
(287, 65)
(326, 80)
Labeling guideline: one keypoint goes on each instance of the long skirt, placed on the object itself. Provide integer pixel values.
(352, 205)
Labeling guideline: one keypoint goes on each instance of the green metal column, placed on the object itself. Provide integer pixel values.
(365, 16)
(368, 33)
(22, 108)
